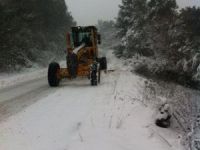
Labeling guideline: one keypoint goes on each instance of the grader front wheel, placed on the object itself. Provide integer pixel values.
(53, 71)
(95, 75)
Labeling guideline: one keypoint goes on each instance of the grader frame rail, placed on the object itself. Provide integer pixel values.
(82, 57)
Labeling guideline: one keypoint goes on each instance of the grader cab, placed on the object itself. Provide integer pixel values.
(82, 57)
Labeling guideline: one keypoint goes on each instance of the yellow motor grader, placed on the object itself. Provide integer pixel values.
(82, 57)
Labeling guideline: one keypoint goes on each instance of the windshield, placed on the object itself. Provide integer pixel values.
(82, 37)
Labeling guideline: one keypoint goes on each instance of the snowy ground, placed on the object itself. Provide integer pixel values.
(76, 116)
(8, 80)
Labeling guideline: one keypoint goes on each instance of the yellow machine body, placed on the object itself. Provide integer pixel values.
(82, 57)
(86, 53)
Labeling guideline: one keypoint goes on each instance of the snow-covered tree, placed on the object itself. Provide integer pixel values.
(124, 17)
(161, 18)
(186, 39)
(108, 33)
(32, 31)
(156, 27)
(131, 23)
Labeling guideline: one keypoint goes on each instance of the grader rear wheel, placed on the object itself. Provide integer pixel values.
(93, 79)
(53, 71)
(99, 75)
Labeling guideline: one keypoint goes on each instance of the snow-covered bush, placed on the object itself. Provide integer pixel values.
(164, 115)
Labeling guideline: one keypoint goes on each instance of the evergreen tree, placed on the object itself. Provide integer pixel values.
(186, 39)
(124, 17)
(157, 28)
(161, 18)
(131, 24)
(107, 30)
(32, 31)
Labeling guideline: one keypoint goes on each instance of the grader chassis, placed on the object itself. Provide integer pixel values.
(82, 57)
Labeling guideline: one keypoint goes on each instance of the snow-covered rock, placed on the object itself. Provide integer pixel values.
(164, 115)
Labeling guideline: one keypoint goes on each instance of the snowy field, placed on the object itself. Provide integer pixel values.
(76, 116)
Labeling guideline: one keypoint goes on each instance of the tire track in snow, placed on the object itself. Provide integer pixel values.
(17, 98)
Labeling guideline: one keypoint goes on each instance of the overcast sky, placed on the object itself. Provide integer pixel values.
(87, 12)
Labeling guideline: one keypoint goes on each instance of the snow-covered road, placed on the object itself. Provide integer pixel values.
(76, 116)
(16, 98)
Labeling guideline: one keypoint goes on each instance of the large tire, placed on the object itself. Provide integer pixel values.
(52, 74)
(99, 75)
(94, 78)
(93, 75)
(103, 63)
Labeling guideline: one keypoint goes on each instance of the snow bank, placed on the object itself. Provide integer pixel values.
(8, 80)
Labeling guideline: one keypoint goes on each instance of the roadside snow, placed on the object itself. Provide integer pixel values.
(8, 80)
(112, 116)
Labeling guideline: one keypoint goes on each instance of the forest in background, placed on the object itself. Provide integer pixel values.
(32, 32)
(163, 39)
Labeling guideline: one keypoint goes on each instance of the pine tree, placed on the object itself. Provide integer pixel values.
(124, 17)
(131, 24)
(107, 30)
(162, 16)
(32, 30)
(186, 39)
